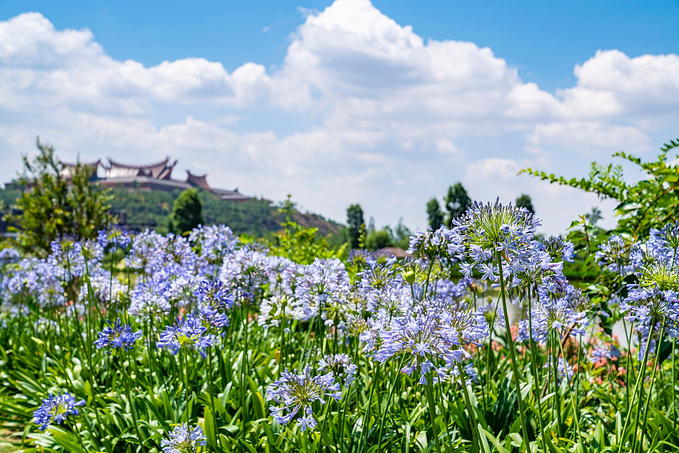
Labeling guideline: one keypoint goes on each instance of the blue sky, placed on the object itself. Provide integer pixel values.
(542, 39)
(308, 96)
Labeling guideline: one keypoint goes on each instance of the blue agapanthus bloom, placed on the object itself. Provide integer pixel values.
(296, 392)
(604, 352)
(115, 236)
(117, 336)
(213, 299)
(214, 294)
(428, 338)
(189, 332)
(184, 439)
(56, 409)
(341, 367)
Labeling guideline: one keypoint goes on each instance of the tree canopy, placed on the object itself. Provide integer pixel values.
(434, 214)
(649, 203)
(356, 225)
(457, 202)
(187, 212)
(524, 201)
(56, 203)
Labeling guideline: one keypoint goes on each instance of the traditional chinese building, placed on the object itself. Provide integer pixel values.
(157, 176)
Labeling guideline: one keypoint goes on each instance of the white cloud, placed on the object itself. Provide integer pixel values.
(362, 109)
(589, 136)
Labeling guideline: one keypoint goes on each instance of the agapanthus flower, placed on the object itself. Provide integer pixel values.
(275, 310)
(114, 237)
(212, 243)
(320, 282)
(341, 367)
(184, 439)
(470, 374)
(9, 256)
(188, 332)
(66, 253)
(654, 299)
(439, 334)
(604, 352)
(443, 243)
(245, 269)
(562, 313)
(104, 288)
(214, 294)
(213, 299)
(117, 336)
(56, 409)
(297, 393)
(149, 299)
(563, 368)
(613, 255)
(494, 227)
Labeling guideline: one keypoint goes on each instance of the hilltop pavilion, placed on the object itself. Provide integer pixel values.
(156, 176)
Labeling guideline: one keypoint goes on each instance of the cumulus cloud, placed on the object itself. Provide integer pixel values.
(362, 109)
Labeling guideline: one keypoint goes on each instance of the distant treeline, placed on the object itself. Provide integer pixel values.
(257, 218)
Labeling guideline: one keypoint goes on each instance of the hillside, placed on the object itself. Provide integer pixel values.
(145, 209)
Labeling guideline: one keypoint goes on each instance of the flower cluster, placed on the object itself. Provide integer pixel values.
(297, 393)
(188, 332)
(56, 409)
(341, 367)
(184, 439)
(117, 336)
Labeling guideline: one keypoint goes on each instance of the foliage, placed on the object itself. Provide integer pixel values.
(400, 236)
(524, 201)
(258, 218)
(299, 244)
(276, 356)
(187, 211)
(649, 203)
(457, 202)
(355, 225)
(434, 214)
(54, 206)
(378, 239)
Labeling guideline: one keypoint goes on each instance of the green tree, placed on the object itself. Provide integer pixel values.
(300, 244)
(378, 239)
(457, 202)
(524, 201)
(400, 236)
(651, 202)
(434, 214)
(356, 225)
(187, 211)
(54, 205)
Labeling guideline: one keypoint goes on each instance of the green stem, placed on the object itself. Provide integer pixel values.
(655, 367)
(640, 379)
(674, 383)
(133, 409)
(211, 396)
(468, 403)
(366, 418)
(394, 381)
(575, 407)
(533, 360)
(432, 411)
(555, 381)
(510, 343)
